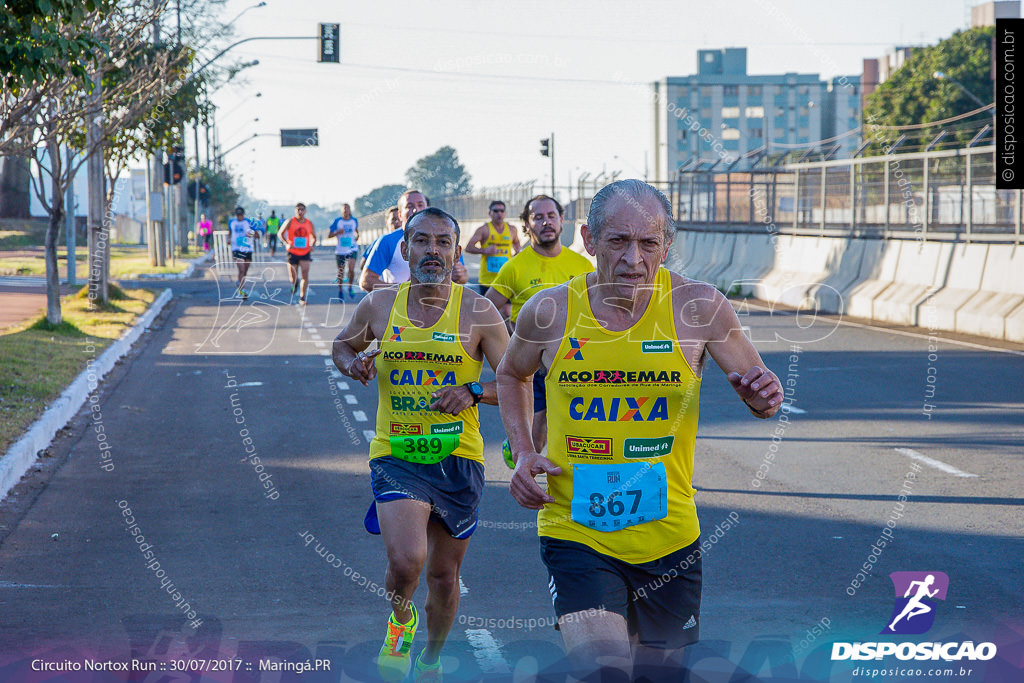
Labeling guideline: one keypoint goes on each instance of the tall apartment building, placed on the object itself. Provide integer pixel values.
(723, 113)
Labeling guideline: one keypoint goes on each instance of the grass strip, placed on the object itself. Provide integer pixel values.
(38, 361)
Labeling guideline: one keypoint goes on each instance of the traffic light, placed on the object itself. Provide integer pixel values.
(204, 191)
(173, 172)
(545, 147)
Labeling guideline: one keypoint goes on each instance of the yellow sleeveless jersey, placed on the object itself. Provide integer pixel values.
(490, 265)
(622, 421)
(415, 362)
(529, 272)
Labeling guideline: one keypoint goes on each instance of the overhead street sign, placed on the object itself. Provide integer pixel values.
(330, 35)
(300, 137)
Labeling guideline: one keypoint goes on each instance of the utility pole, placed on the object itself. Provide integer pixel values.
(552, 164)
(156, 175)
(69, 221)
(195, 134)
(98, 238)
(547, 149)
(150, 231)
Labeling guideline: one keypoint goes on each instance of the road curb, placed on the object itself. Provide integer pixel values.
(20, 457)
(183, 275)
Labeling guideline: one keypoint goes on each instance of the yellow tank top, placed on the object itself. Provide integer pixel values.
(415, 362)
(490, 265)
(622, 421)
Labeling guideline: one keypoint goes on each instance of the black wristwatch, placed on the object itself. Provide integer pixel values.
(476, 390)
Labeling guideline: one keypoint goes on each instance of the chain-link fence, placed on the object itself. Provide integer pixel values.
(939, 195)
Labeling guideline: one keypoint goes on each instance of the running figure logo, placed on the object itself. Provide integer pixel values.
(914, 612)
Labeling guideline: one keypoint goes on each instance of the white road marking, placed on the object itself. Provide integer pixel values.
(325, 352)
(250, 384)
(462, 587)
(328, 361)
(931, 462)
(342, 386)
(917, 335)
(359, 415)
(487, 651)
(793, 409)
(368, 435)
(320, 345)
(12, 584)
(351, 400)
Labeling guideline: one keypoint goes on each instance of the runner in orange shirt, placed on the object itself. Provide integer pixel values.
(299, 237)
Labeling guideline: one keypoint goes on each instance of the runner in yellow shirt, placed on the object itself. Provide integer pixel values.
(496, 241)
(426, 460)
(625, 347)
(542, 264)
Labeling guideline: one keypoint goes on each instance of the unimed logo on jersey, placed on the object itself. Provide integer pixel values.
(581, 445)
(917, 594)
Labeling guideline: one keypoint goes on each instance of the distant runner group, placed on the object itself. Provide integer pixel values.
(598, 389)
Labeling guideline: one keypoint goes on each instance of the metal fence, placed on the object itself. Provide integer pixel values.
(475, 206)
(224, 262)
(938, 195)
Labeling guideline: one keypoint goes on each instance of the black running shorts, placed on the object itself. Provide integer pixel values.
(660, 599)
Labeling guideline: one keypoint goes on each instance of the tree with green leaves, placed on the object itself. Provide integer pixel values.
(223, 196)
(52, 120)
(42, 40)
(440, 174)
(377, 199)
(914, 95)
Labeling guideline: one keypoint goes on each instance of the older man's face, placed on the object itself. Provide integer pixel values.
(631, 245)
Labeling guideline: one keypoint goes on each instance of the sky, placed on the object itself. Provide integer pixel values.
(493, 78)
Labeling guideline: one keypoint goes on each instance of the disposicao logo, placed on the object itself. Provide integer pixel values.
(916, 599)
(916, 596)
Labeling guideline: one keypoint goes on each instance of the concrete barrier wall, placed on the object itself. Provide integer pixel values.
(997, 309)
(959, 279)
(916, 275)
(968, 288)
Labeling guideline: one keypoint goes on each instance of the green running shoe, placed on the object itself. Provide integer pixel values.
(393, 661)
(428, 673)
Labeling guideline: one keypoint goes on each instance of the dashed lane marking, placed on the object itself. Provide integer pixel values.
(932, 462)
(487, 651)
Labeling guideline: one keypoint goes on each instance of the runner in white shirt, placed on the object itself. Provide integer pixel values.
(346, 229)
(241, 247)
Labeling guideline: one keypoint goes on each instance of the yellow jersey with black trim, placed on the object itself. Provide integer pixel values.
(490, 264)
(622, 423)
(530, 272)
(414, 362)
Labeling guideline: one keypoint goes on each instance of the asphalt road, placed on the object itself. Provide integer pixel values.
(243, 563)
